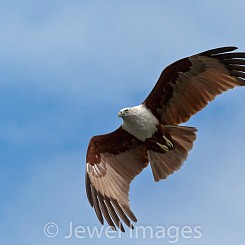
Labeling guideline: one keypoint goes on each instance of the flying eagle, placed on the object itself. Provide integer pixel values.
(150, 132)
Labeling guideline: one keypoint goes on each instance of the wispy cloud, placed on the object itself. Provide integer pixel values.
(66, 68)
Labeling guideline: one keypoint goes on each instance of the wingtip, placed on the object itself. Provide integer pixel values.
(120, 226)
(220, 50)
(113, 227)
(231, 47)
(129, 213)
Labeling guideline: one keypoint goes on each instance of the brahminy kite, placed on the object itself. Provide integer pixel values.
(150, 132)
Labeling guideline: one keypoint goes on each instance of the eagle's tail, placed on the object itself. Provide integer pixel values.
(164, 164)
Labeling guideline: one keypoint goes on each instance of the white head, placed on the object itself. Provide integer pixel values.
(138, 121)
(129, 112)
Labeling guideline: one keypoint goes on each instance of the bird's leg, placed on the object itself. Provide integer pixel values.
(168, 142)
(159, 142)
(164, 147)
(169, 145)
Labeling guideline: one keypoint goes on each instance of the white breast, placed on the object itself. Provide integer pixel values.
(141, 124)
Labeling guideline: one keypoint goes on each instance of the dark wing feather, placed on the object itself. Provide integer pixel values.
(113, 160)
(186, 86)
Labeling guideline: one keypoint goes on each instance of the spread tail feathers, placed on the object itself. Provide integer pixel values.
(164, 164)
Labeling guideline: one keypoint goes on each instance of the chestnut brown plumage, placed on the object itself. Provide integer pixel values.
(183, 88)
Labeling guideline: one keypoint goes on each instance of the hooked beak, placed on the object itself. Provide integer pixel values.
(120, 114)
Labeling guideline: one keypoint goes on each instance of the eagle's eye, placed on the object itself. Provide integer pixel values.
(126, 110)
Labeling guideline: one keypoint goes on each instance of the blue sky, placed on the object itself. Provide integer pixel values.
(66, 68)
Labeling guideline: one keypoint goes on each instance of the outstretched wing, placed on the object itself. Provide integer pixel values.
(113, 160)
(186, 86)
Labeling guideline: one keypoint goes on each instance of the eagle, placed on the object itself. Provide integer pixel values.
(151, 132)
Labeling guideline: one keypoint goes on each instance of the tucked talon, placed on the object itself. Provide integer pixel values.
(168, 142)
(164, 147)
